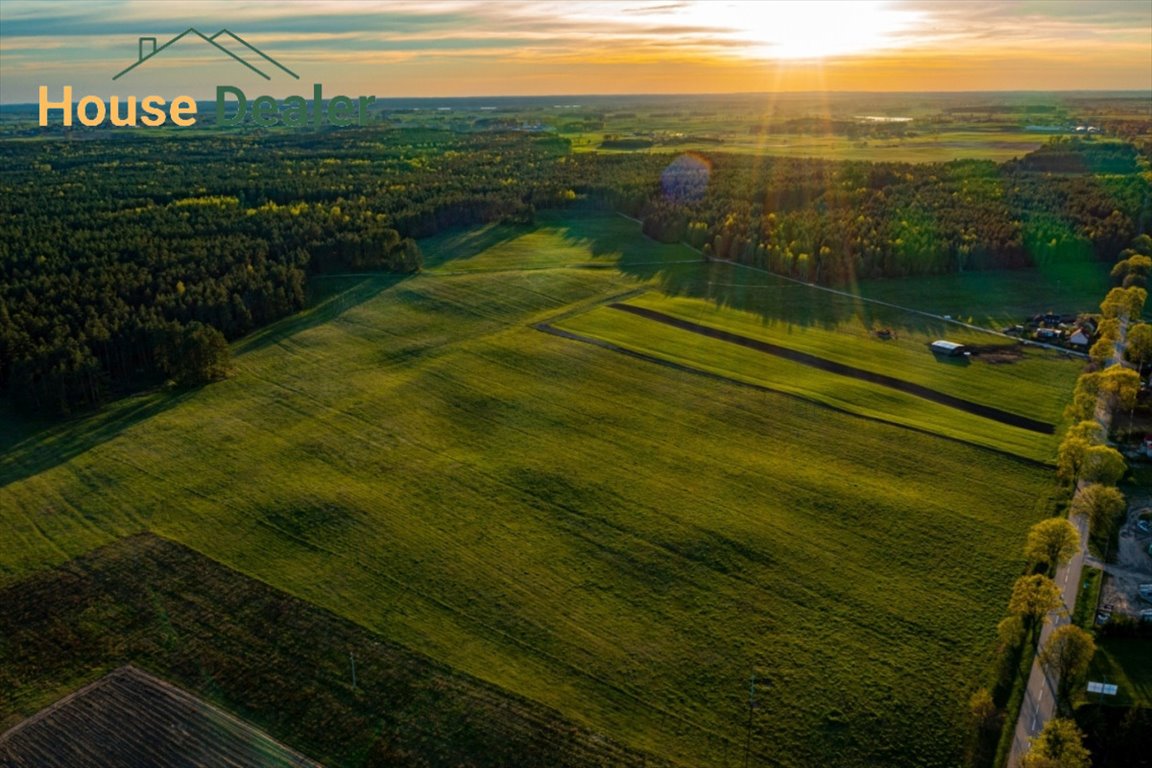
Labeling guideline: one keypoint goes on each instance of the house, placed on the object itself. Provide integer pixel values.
(948, 348)
(1080, 338)
(1045, 320)
(1047, 334)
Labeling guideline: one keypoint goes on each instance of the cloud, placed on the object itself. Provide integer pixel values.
(611, 40)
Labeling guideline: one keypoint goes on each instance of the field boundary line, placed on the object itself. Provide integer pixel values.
(841, 369)
(609, 346)
(51, 708)
(588, 306)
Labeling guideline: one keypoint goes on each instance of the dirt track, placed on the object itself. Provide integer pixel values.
(987, 412)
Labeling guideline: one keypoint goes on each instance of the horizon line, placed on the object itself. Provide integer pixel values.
(1120, 91)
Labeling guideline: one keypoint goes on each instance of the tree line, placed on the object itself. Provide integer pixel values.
(835, 222)
(121, 256)
(127, 262)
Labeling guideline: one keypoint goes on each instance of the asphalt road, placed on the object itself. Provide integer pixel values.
(1040, 698)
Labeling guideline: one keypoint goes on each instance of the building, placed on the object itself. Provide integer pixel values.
(1080, 338)
(948, 348)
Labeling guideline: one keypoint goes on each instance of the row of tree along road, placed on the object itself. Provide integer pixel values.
(1039, 650)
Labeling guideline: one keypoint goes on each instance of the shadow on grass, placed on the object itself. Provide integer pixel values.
(681, 271)
(464, 244)
(31, 446)
(1005, 294)
(959, 361)
(604, 235)
(365, 286)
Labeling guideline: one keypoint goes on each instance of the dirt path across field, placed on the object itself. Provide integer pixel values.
(985, 411)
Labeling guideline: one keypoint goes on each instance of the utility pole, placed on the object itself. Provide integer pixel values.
(751, 706)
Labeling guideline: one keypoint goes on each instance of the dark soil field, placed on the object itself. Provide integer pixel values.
(130, 719)
(249, 649)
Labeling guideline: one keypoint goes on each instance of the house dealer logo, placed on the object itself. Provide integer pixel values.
(232, 104)
(151, 41)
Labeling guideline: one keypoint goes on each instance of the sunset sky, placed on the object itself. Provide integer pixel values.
(460, 48)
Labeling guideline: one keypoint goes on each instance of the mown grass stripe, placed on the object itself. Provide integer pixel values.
(985, 411)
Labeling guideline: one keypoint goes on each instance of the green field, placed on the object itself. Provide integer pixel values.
(591, 241)
(617, 540)
(1035, 385)
(999, 298)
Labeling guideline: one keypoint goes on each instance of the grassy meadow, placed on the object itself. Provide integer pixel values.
(620, 541)
(1123, 661)
(1035, 385)
(999, 298)
(858, 397)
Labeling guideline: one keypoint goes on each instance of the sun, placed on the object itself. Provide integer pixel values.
(810, 29)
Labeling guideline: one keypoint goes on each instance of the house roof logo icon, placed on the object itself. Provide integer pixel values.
(149, 50)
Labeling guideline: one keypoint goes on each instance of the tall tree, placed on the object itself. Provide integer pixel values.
(1066, 657)
(1070, 456)
(1053, 542)
(1139, 345)
(1084, 399)
(1033, 597)
(1120, 385)
(1124, 302)
(1102, 464)
(1101, 504)
(1132, 270)
(1060, 744)
(194, 354)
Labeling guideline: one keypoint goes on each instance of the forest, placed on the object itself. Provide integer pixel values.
(126, 262)
(834, 222)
